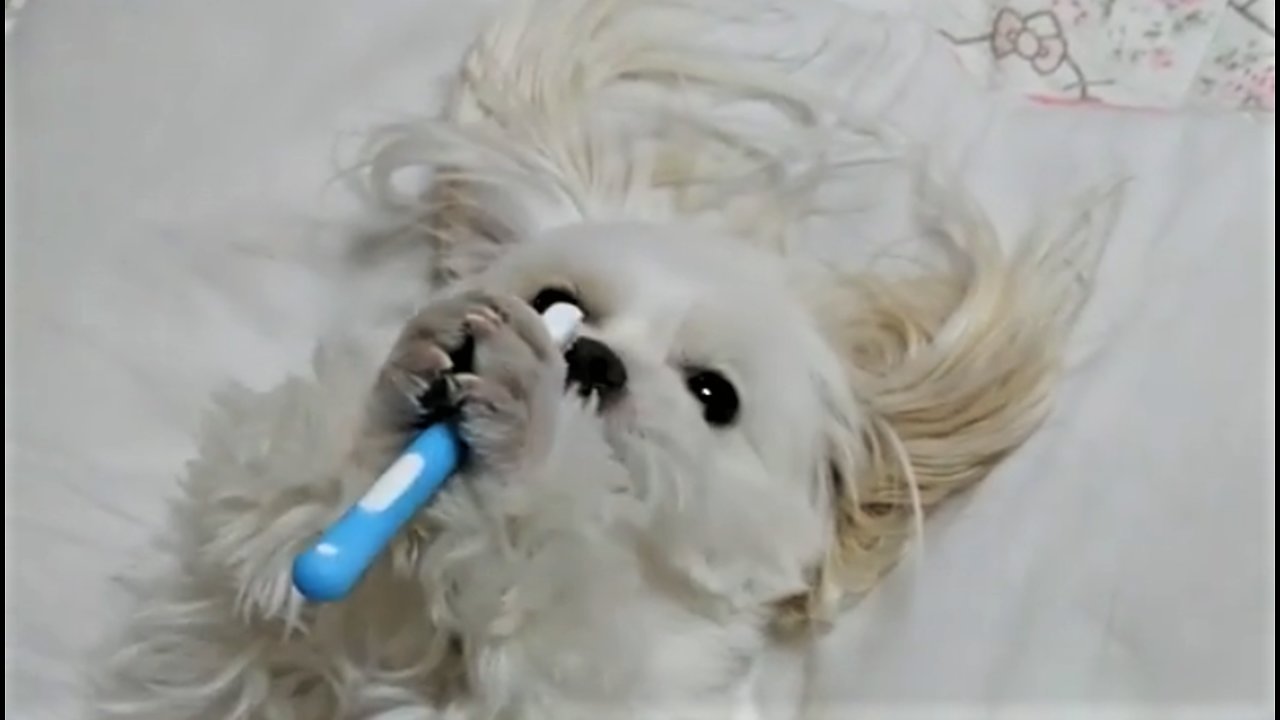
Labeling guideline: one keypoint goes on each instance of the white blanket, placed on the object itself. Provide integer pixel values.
(171, 224)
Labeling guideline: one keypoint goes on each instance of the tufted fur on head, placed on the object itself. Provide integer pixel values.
(638, 562)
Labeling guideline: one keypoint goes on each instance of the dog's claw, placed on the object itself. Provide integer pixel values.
(440, 359)
(466, 383)
(482, 324)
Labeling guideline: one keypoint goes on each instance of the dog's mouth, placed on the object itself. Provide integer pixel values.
(596, 399)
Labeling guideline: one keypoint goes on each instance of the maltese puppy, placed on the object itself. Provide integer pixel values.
(743, 436)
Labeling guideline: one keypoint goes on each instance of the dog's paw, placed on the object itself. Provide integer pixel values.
(485, 356)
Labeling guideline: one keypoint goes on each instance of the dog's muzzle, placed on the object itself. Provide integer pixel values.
(595, 367)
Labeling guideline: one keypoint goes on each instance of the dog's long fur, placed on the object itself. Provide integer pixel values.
(639, 568)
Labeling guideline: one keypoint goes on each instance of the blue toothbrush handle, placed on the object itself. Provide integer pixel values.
(332, 566)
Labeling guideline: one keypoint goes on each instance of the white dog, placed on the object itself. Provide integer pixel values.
(741, 438)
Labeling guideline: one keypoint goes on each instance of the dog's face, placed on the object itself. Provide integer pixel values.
(712, 387)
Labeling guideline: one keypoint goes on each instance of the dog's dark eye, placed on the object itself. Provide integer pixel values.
(547, 297)
(716, 394)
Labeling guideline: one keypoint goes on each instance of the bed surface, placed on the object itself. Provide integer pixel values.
(171, 224)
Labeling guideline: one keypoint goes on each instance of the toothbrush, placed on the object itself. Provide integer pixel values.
(331, 567)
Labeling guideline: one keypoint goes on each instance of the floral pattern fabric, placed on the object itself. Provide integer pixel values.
(1135, 53)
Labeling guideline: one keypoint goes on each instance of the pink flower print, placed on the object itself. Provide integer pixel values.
(1262, 88)
(1161, 58)
(1036, 38)
(1266, 83)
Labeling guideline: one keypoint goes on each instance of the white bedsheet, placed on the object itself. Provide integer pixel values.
(169, 226)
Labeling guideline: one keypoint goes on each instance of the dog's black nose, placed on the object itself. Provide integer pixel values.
(595, 367)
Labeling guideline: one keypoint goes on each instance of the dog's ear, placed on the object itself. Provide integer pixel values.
(485, 193)
(948, 370)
